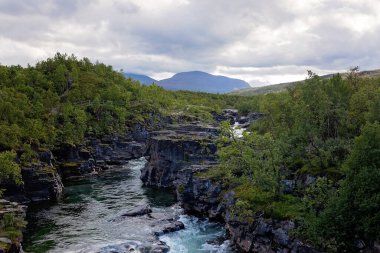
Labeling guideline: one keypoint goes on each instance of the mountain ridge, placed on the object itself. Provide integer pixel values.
(282, 86)
(194, 81)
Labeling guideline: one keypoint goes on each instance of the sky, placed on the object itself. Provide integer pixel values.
(259, 41)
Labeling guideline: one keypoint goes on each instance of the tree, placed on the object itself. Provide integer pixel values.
(353, 213)
(9, 169)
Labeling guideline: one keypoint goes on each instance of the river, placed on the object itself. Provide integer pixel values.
(89, 218)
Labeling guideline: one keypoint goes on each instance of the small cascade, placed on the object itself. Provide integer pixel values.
(238, 129)
(90, 219)
(200, 235)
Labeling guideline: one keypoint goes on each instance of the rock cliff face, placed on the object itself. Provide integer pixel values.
(172, 149)
(266, 235)
(178, 157)
(199, 195)
(41, 181)
(43, 178)
(98, 154)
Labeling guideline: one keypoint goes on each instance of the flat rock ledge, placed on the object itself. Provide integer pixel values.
(138, 211)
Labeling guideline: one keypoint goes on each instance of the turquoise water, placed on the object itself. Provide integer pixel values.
(88, 217)
(196, 236)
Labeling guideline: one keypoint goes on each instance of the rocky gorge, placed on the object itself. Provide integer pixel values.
(178, 154)
(180, 159)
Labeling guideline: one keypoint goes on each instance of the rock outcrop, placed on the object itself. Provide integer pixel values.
(11, 230)
(98, 154)
(227, 114)
(201, 195)
(173, 149)
(137, 247)
(197, 194)
(138, 211)
(42, 182)
(266, 235)
(180, 156)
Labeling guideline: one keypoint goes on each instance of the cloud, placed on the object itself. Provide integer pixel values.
(262, 41)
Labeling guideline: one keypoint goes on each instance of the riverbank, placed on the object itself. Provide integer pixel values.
(98, 157)
(178, 155)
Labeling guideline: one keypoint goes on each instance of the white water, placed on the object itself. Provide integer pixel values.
(193, 239)
(87, 219)
(238, 130)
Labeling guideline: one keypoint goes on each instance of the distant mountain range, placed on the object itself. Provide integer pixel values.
(141, 78)
(282, 86)
(194, 81)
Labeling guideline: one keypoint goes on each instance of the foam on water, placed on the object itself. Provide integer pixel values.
(238, 130)
(88, 217)
(194, 238)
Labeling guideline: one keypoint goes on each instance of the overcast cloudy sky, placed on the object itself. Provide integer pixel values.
(260, 41)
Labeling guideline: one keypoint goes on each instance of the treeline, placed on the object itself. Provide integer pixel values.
(64, 100)
(327, 130)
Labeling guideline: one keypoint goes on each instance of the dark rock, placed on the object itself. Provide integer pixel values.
(171, 150)
(176, 157)
(288, 186)
(46, 157)
(263, 228)
(175, 226)
(156, 247)
(217, 241)
(243, 120)
(71, 170)
(84, 154)
(359, 244)
(309, 180)
(197, 194)
(246, 121)
(138, 211)
(227, 114)
(41, 183)
(117, 150)
(376, 247)
(265, 235)
(68, 152)
(140, 133)
(281, 237)
(171, 227)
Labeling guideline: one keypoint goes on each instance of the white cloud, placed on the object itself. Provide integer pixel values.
(262, 41)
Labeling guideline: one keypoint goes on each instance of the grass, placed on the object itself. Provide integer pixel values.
(70, 165)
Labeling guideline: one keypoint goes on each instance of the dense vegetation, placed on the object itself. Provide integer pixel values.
(327, 128)
(64, 100)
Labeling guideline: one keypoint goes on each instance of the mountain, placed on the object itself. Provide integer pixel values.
(202, 81)
(264, 89)
(282, 86)
(141, 78)
(194, 81)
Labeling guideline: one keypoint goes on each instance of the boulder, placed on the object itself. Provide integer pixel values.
(138, 211)
(170, 227)
(281, 237)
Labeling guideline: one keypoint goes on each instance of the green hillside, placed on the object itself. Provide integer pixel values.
(283, 86)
